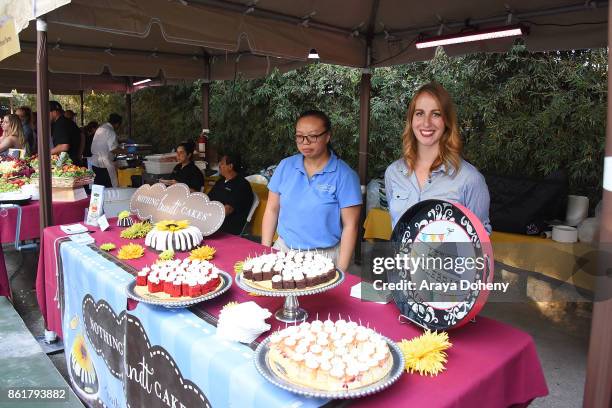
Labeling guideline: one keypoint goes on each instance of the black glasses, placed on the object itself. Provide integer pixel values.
(301, 139)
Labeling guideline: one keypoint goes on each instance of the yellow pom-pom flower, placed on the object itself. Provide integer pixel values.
(204, 253)
(238, 267)
(166, 255)
(123, 214)
(426, 354)
(130, 251)
(138, 230)
(171, 225)
(108, 246)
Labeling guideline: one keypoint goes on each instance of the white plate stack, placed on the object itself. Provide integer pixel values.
(243, 322)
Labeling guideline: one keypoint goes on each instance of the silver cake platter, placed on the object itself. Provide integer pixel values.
(226, 283)
(263, 366)
(291, 311)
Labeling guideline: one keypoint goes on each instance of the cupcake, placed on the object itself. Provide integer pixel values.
(124, 219)
(300, 280)
(277, 282)
(288, 282)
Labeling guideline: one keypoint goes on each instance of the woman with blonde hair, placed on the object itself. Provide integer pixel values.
(432, 166)
(12, 137)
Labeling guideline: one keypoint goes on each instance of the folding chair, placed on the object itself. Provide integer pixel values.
(250, 215)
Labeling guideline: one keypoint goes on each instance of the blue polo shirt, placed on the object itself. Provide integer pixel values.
(310, 208)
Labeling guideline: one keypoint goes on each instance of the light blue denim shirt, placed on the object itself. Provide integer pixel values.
(466, 187)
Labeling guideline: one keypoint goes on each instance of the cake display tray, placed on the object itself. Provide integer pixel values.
(226, 283)
(291, 311)
(263, 366)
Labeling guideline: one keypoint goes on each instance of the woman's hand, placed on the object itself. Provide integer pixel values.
(270, 219)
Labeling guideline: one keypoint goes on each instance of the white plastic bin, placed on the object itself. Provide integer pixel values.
(117, 200)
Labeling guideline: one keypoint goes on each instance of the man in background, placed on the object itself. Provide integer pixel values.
(104, 147)
(65, 134)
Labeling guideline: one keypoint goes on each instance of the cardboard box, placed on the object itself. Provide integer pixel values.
(68, 194)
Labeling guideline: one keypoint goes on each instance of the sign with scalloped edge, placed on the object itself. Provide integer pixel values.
(158, 202)
(441, 293)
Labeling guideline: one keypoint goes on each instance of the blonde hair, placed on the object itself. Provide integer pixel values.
(15, 128)
(451, 146)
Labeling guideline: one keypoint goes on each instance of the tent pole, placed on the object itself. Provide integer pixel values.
(365, 87)
(128, 108)
(598, 386)
(42, 106)
(82, 97)
(205, 88)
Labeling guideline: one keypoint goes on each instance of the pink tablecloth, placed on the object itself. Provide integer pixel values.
(490, 364)
(4, 281)
(63, 213)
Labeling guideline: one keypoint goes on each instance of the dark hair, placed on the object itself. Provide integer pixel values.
(319, 115)
(27, 112)
(55, 106)
(315, 113)
(235, 160)
(114, 119)
(189, 148)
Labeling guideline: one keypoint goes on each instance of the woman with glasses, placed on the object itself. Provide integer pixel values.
(12, 136)
(432, 166)
(314, 198)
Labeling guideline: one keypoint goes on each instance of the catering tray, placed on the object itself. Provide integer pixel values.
(226, 283)
(15, 197)
(263, 366)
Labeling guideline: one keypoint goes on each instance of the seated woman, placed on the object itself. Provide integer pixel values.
(432, 166)
(186, 171)
(234, 192)
(314, 197)
(12, 136)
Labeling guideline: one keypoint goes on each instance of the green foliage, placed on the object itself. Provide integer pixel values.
(520, 113)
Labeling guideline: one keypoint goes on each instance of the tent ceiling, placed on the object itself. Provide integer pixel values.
(144, 37)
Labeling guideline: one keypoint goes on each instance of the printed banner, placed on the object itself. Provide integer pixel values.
(93, 322)
(151, 356)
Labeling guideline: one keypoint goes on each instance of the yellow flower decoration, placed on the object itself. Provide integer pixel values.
(130, 251)
(81, 355)
(137, 230)
(238, 267)
(74, 322)
(204, 253)
(123, 214)
(109, 246)
(166, 255)
(171, 225)
(426, 353)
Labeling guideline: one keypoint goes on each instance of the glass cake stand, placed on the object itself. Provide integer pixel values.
(291, 312)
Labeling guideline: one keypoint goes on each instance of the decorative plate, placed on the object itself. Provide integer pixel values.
(263, 366)
(226, 283)
(441, 288)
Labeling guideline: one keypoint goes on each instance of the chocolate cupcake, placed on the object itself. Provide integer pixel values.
(288, 282)
(300, 280)
(247, 270)
(257, 273)
(277, 282)
(311, 279)
(266, 272)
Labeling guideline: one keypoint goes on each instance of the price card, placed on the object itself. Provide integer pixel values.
(103, 223)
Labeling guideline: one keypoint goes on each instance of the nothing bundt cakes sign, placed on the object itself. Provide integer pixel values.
(158, 202)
